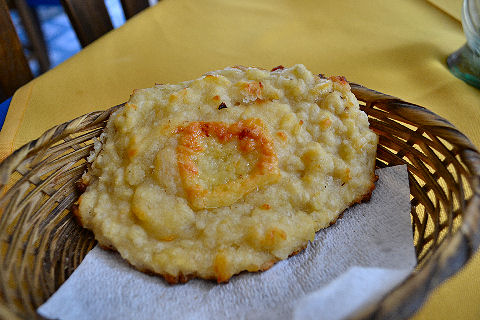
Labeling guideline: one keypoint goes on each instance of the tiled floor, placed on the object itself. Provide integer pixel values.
(62, 42)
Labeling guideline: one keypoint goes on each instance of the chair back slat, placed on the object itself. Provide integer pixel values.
(89, 19)
(132, 7)
(14, 69)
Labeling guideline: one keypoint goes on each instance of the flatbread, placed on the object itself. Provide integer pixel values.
(227, 173)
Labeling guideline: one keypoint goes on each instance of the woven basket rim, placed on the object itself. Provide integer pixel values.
(452, 254)
(53, 134)
(447, 260)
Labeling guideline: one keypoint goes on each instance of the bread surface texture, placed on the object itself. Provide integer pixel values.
(227, 173)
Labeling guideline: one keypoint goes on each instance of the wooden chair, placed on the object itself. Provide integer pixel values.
(14, 69)
(90, 18)
(31, 23)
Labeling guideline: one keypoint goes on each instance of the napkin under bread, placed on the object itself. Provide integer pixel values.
(366, 253)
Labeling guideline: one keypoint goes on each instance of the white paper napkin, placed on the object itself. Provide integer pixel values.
(354, 262)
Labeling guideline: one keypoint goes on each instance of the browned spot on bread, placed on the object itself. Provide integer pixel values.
(282, 135)
(221, 268)
(280, 67)
(366, 197)
(240, 67)
(76, 214)
(80, 186)
(340, 79)
(168, 239)
(132, 152)
(107, 247)
(273, 237)
(251, 135)
(335, 220)
(267, 265)
(325, 123)
(174, 279)
(298, 251)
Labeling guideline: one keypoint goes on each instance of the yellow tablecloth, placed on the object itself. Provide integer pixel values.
(397, 47)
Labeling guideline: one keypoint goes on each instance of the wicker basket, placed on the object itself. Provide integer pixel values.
(41, 245)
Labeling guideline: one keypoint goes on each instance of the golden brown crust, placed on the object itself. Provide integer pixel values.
(280, 67)
(185, 278)
(182, 278)
(251, 135)
(365, 198)
(76, 214)
(81, 186)
(178, 279)
(107, 247)
(240, 67)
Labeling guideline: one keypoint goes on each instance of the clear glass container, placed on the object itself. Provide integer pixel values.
(465, 62)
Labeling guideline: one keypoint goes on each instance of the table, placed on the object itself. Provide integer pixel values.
(394, 47)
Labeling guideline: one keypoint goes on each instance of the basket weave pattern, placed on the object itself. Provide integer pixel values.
(41, 245)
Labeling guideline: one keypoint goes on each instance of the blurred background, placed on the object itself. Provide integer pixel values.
(60, 38)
